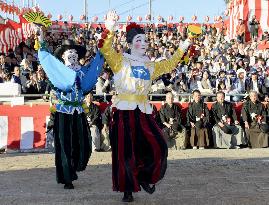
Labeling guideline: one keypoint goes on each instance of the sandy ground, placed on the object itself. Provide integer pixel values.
(193, 177)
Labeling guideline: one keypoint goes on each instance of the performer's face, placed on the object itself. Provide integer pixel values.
(70, 57)
(139, 44)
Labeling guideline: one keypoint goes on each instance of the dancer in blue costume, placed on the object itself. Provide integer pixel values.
(71, 81)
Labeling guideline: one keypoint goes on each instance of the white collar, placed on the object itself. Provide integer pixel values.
(76, 67)
(136, 58)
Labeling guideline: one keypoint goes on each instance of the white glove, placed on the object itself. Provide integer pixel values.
(185, 45)
(106, 83)
(111, 20)
(38, 30)
(253, 115)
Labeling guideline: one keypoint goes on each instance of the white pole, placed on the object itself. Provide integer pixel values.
(150, 9)
(13, 17)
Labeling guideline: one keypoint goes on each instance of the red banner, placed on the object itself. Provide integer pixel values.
(10, 35)
(24, 127)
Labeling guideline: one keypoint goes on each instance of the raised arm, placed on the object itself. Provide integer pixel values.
(92, 72)
(167, 66)
(59, 75)
(113, 58)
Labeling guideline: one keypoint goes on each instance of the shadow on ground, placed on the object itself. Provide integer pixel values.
(194, 181)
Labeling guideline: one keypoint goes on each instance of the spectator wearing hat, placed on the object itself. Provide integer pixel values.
(253, 83)
(227, 133)
(239, 86)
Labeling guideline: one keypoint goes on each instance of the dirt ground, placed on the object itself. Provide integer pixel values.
(193, 177)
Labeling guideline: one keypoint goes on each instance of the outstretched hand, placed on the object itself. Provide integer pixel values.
(39, 32)
(111, 20)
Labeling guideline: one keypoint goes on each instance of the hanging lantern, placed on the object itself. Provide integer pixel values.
(129, 18)
(9, 9)
(49, 16)
(226, 12)
(238, 2)
(181, 18)
(60, 17)
(170, 18)
(17, 10)
(194, 18)
(5, 8)
(70, 18)
(12, 9)
(21, 11)
(95, 19)
(139, 18)
(207, 19)
(148, 17)
(82, 17)
(160, 18)
(35, 9)
(215, 18)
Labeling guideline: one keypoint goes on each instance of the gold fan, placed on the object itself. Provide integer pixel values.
(194, 31)
(37, 18)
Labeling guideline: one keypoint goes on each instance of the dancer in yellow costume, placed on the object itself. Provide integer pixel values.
(139, 151)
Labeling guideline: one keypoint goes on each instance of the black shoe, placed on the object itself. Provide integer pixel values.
(69, 186)
(127, 197)
(147, 187)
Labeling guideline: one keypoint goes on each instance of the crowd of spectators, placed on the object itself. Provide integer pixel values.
(215, 62)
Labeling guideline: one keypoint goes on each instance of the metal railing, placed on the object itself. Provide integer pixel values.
(104, 97)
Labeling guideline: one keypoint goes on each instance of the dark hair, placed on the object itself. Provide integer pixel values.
(196, 91)
(132, 33)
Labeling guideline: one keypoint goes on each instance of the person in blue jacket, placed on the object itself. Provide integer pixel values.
(71, 82)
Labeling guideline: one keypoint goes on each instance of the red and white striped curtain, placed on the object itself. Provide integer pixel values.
(245, 9)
